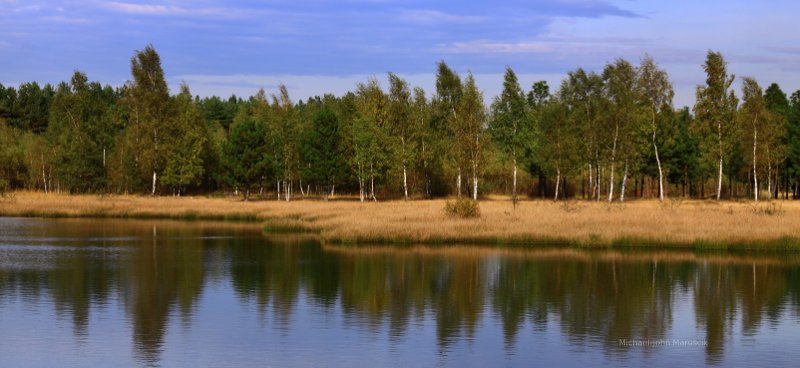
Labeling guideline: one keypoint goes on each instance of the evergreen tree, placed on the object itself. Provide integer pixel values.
(321, 150)
(245, 154)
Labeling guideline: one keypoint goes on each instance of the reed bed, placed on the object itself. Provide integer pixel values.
(686, 223)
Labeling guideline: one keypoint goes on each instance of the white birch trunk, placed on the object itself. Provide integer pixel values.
(613, 161)
(591, 187)
(278, 184)
(458, 183)
(372, 187)
(658, 162)
(719, 176)
(755, 174)
(288, 191)
(514, 185)
(719, 180)
(624, 181)
(405, 182)
(155, 177)
(558, 182)
(475, 183)
(769, 179)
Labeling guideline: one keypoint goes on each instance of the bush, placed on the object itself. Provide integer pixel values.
(462, 208)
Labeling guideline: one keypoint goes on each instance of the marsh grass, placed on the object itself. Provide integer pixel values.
(637, 224)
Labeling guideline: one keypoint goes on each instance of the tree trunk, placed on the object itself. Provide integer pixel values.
(278, 185)
(769, 179)
(591, 187)
(719, 180)
(719, 176)
(613, 161)
(372, 187)
(475, 180)
(514, 186)
(44, 177)
(458, 184)
(405, 182)
(658, 162)
(558, 182)
(155, 177)
(624, 181)
(597, 173)
(755, 172)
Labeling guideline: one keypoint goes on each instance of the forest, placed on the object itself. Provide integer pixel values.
(610, 135)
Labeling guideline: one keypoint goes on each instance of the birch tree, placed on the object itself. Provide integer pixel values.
(510, 125)
(557, 152)
(425, 138)
(400, 126)
(620, 91)
(753, 113)
(470, 129)
(715, 108)
(655, 94)
(449, 91)
(368, 135)
(284, 138)
(184, 161)
(148, 102)
(582, 93)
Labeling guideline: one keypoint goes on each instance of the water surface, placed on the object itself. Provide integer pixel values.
(78, 293)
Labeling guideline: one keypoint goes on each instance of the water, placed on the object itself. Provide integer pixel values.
(78, 293)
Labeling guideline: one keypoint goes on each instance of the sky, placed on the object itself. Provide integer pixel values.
(328, 46)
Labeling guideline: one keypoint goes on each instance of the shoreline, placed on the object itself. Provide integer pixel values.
(676, 223)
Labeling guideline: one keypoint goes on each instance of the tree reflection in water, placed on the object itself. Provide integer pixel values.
(158, 271)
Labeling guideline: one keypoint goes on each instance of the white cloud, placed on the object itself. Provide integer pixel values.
(172, 10)
(483, 47)
(436, 17)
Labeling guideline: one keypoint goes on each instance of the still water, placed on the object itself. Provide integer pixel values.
(80, 293)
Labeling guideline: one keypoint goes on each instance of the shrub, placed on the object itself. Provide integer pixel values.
(462, 208)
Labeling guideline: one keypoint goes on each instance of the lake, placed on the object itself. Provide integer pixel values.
(80, 293)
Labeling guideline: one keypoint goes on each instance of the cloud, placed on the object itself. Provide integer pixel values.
(438, 17)
(785, 49)
(482, 47)
(172, 10)
(60, 19)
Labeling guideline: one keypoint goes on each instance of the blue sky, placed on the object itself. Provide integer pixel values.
(317, 46)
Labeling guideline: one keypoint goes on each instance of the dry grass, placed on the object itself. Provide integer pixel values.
(693, 223)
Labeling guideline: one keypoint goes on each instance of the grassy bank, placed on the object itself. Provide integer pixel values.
(675, 223)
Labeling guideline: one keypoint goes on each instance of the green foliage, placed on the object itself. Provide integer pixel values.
(149, 111)
(12, 167)
(84, 137)
(245, 154)
(715, 109)
(462, 208)
(321, 150)
(184, 156)
(512, 124)
(82, 134)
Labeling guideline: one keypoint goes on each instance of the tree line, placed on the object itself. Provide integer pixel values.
(607, 135)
